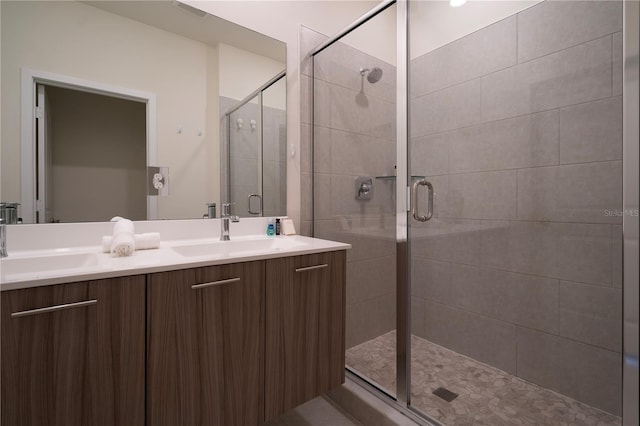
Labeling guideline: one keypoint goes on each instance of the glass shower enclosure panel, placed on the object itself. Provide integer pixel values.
(274, 149)
(516, 293)
(354, 168)
(245, 159)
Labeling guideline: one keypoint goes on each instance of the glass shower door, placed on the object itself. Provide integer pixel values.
(516, 279)
(354, 184)
(245, 159)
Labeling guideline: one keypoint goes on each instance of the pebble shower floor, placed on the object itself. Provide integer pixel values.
(486, 395)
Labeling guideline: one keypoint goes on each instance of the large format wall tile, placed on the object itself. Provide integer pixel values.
(364, 245)
(356, 154)
(591, 314)
(355, 112)
(429, 155)
(571, 193)
(451, 108)
(487, 50)
(526, 141)
(448, 240)
(554, 25)
(578, 74)
(417, 317)
(306, 152)
(617, 64)
(520, 299)
(485, 339)
(321, 196)
(569, 251)
(485, 195)
(616, 256)
(306, 196)
(370, 318)
(368, 279)
(586, 373)
(431, 279)
(591, 132)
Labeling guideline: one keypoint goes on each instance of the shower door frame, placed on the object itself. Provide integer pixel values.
(227, 138)
(402, 401)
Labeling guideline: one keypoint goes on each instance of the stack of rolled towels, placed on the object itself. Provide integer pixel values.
(125, 241)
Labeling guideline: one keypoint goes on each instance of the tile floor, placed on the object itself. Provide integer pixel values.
(487, 396)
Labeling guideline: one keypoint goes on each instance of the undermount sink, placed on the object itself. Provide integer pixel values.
(236, 248)
(12, 266)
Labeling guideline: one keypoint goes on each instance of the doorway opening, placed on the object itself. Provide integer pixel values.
(86, 149)
(91, 151)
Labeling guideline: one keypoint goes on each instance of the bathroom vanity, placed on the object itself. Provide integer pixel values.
(197, 338)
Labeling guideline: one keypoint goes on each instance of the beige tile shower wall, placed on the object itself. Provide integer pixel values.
(354, 136)
(518, 127)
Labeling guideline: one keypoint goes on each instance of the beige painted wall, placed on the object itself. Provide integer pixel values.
(238, 80)
(81, 41)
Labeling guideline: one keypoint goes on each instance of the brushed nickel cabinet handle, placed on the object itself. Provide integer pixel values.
(215, 283)
(311, 268)
(54, 308)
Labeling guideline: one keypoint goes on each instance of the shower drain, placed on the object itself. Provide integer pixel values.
(445, 394)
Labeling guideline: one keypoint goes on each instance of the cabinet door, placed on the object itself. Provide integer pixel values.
(205, 346)
(305, 317)
(73, 354)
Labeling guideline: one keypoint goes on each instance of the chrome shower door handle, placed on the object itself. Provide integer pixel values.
(259, 204)
(414, 201)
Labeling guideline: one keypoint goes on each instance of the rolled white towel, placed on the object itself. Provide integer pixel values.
(150, 240)
(123, 225)
(123, 244)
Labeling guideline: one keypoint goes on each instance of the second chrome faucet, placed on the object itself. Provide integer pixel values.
(225, 219)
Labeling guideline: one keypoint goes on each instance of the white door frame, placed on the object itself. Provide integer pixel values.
(32, 77)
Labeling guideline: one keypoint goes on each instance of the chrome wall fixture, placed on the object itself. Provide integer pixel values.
(364, 188)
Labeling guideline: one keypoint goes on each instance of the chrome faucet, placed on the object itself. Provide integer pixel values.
(225, 217)
(3, 238)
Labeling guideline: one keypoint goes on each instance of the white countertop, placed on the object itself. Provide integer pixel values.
(29, 267)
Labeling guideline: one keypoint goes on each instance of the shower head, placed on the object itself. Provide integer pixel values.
(373, 75)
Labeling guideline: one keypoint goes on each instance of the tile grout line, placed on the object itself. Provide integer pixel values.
(518, 63)
(520, 116)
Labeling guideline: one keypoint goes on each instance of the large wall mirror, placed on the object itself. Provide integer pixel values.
(119, 108)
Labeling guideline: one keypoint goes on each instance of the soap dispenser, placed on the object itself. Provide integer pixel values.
(271, 229)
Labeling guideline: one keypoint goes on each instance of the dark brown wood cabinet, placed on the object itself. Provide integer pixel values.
(73, 354)
(305, 326)
(205, 346)
(224, 345)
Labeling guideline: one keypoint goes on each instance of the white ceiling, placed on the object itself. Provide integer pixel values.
(188, 22)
